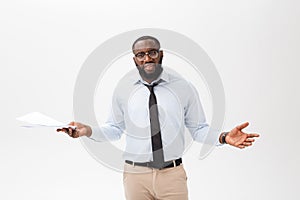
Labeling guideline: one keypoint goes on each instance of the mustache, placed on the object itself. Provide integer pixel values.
(150, 63)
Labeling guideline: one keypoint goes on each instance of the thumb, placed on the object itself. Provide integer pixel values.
(242, 126)
(72, 123)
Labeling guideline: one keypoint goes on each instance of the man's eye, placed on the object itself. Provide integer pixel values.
(152, 53)
(140, 55)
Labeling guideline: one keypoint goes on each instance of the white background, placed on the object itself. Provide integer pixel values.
(254, 45)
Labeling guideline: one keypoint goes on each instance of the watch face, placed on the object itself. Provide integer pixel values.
(223, 138)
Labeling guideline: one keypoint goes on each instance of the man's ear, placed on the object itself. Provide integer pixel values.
(161, 54)
(134, 60)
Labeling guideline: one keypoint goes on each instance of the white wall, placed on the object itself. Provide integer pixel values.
(254, 45)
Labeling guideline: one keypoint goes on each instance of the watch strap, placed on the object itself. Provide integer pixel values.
(224, 134)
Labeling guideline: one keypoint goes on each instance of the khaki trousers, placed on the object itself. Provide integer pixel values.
(143, 183)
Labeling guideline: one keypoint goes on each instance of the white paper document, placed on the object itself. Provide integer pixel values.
(36, 119)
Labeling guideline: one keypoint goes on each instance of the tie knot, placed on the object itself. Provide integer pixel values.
(150, 87)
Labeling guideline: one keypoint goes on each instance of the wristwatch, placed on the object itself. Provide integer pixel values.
(224, 134)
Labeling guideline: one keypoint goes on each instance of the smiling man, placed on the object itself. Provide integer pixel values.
(161, 105)
(148, 58)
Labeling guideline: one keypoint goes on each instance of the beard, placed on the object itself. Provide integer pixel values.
(153, 75)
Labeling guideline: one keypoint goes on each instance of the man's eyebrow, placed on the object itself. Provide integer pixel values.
(146, 50)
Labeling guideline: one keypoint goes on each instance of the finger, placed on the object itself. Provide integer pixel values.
(241, 146)
(58, 130)
(249, 140)
(242, 126)
(72, 123)
(246, 144)
(75, 134)
(251, 135)
(62, 130)
(70, 131)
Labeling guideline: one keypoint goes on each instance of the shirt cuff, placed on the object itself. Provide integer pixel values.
(95, 135)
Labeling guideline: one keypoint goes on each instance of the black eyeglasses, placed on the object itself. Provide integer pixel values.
(141, 56)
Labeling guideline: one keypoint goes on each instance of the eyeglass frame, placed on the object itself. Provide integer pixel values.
(147, 53)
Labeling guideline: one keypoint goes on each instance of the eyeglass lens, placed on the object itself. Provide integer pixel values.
(142, 55)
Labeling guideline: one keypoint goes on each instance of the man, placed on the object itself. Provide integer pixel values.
(153, 166)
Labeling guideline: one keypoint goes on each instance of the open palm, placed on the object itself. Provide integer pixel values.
(236, 137)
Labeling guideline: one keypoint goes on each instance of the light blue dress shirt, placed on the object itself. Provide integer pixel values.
(179, 106)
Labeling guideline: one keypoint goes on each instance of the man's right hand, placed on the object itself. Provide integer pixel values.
(80, 130)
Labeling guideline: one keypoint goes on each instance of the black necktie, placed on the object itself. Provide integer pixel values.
(158, 156)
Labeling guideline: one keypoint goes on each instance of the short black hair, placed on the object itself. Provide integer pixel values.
(146, 37)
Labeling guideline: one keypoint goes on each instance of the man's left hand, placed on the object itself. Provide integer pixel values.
(237, 138)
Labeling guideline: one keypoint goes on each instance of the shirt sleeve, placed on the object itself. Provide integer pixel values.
(195, 121)
(114, 126)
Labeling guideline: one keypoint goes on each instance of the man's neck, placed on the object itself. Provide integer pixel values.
(148, 80)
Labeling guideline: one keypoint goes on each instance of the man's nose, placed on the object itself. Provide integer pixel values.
(147, 58)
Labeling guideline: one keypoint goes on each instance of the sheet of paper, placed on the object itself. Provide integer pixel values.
(36, 119)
